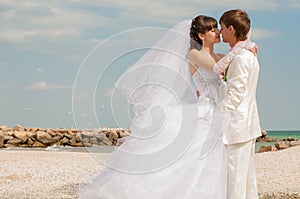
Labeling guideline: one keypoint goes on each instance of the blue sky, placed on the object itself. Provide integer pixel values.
(44, 43)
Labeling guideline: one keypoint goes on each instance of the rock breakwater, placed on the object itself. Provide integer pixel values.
(19, 136)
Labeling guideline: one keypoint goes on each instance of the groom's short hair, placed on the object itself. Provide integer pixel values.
(240, 21)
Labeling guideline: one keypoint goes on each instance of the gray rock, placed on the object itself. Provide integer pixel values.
(14, 141)
(101, 136)
(51, 132)
(87, 134)
(124, 134)
(3, 128)
(107, 141)
(93, 140)
(65, 141)
(38, 144)
(18, 128)
(30, 141)
(69, 135)
(1, 139)
(281, 145)
(44, 137)
(22, 135)
(78, 137)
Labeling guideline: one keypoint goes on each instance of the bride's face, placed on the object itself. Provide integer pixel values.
(212, 36)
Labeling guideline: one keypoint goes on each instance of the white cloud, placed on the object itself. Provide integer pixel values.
(36, 11)
(38, 86)
(33, 21)
(75, 26)
(259, 34)
(44, 86)
(17, 36)
(6, 3)
(168, 12)
(248, 5)
(78, 22)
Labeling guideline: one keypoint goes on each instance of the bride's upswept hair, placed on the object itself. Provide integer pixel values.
(200, 24)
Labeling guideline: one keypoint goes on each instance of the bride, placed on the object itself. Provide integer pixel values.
(175, 149)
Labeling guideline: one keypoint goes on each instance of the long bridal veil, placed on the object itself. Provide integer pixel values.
(157, 86)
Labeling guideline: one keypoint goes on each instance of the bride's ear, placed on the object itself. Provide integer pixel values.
(201, 36)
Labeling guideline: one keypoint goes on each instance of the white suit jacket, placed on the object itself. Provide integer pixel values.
(238, 99)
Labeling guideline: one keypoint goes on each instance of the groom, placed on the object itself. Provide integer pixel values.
(242, 125)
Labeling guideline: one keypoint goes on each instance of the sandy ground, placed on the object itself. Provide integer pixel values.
(58, 174)
(278, 173)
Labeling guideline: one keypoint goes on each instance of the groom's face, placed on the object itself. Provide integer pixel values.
(226, 33)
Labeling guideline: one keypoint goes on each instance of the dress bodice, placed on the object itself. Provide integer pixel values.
(207, 83)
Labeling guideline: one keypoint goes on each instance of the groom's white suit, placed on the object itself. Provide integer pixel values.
(241, 127)
(239, 99)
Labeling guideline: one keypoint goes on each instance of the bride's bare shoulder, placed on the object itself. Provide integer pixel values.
(197, 54)
(200, 58)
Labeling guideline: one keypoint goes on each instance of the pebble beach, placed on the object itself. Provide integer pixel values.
(59, 174)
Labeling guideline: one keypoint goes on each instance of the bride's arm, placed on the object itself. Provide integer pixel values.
(198, 59)
(224, 61)
(254, 50)
(220, 55)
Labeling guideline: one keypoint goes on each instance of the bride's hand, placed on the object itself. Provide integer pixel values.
(254, 50)
(198, 93)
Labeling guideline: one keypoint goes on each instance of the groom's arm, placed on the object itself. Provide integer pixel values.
(237, 74)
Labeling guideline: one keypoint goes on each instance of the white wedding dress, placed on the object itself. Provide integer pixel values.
(190, 176)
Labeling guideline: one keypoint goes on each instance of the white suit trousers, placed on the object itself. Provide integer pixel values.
(241, 171)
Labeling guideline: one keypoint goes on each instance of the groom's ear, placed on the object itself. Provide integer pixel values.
(231, 28)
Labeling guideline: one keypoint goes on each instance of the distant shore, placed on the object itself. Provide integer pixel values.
(41, 173)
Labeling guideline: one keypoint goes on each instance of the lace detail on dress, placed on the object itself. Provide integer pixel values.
(207, 83)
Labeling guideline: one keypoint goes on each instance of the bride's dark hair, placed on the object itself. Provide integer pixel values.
(200, 24)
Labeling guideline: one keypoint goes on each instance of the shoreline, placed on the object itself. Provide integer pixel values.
(59, 174)
(19, 136)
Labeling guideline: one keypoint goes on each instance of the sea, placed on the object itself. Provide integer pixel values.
(278, 135)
